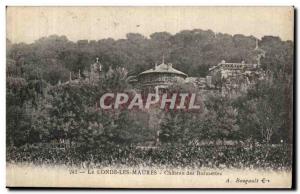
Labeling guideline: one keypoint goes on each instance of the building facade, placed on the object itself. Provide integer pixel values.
(160, 78)
(227, 78)
(234, 78)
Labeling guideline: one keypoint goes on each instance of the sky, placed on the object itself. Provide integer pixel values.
(27, 24)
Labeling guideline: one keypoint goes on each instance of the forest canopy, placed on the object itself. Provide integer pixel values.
(191, 51)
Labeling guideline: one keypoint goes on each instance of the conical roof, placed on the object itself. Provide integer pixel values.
(163, 68)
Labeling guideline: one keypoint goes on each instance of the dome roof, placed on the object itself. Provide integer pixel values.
(163, 68)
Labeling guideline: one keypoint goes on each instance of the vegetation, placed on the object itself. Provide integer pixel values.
(42, 112)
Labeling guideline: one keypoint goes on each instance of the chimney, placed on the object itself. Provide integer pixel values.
(169, 65)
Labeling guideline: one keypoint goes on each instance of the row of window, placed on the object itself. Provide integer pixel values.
(160, 78)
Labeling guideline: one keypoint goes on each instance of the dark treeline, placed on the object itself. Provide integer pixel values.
(191, 51)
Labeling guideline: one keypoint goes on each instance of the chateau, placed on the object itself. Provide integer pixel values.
(229, 78)
(225, 77)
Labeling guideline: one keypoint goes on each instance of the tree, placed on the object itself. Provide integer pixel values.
(224, 116)
(68, 107)
(262, 113)
(22, 101)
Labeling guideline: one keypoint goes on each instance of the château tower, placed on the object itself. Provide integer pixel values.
(95, 71)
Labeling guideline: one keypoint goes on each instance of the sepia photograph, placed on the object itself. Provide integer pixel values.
(150, 97)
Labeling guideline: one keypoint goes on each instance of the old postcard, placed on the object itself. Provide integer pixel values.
(149, 97)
